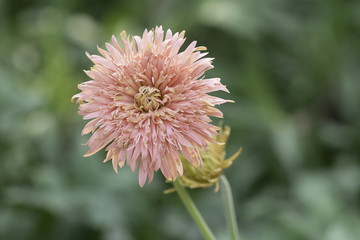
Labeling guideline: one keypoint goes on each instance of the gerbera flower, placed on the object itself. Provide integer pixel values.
(148, 101)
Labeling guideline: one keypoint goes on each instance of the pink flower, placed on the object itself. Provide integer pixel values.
(148, 101)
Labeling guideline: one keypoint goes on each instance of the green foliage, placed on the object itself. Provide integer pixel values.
(292, 68)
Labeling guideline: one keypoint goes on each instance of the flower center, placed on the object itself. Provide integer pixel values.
(148, 99)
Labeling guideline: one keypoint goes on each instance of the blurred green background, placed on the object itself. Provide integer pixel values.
(292, 67)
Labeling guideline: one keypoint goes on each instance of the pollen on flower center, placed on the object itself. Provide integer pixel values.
(148, 99)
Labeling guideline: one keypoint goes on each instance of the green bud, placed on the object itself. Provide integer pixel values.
(214, 163)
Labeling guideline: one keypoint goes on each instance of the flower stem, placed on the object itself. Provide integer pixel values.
(194, 212)
(229, 207)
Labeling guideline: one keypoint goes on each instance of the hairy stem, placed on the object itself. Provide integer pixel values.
(229, 208)
(194, 212)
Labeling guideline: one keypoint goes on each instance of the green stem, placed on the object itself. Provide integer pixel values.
(194, 212)
(229, 207)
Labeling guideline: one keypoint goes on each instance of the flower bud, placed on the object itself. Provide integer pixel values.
(214, 163)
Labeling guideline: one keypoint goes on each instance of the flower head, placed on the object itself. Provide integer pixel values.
(148, 102)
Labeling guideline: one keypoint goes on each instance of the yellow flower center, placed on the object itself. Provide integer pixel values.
(148, 99)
